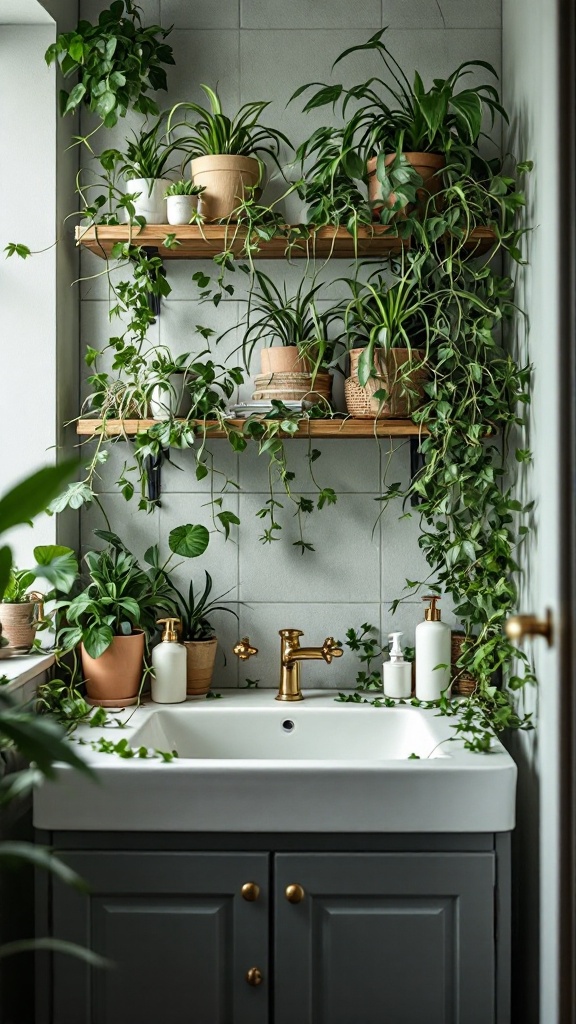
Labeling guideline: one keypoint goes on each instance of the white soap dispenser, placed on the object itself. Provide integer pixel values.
(169, 666)
(433, 648)
(397, 673)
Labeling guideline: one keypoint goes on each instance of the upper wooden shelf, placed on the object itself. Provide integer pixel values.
(200, 243)
(307, 428)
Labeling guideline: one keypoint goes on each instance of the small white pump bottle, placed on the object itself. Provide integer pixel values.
(397, 673)
(433, 648)
(169, 666)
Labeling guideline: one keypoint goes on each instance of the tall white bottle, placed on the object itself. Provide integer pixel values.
(169, 666)
(433, 648)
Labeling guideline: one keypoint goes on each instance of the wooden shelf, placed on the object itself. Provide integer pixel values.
(311, 428)
(200, 243)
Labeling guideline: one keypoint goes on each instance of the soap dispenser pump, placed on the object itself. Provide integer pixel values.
(169, 666)
(433, 649)
(397, 673)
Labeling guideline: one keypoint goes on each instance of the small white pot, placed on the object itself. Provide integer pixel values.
(150, 202)
(171, 398)
(179, 209)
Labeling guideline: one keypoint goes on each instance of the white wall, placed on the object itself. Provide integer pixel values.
(264, 50)
(27, 288)
(531, 95)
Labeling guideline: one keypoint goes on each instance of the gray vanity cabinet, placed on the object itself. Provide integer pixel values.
(405, 938)
(179, 933)
(343, 930)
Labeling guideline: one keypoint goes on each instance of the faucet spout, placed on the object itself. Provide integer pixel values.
(291, 654)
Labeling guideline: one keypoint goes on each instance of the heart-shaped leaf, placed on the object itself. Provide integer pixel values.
(189, 541)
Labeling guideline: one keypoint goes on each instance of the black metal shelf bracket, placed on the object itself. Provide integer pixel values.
(417, 463)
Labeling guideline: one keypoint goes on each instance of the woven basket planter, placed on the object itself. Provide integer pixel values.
(400, 372)
(293, 387)
(200, 657)
(464, 683)
(18, 624)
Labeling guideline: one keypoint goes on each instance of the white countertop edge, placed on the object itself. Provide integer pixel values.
(21, 669)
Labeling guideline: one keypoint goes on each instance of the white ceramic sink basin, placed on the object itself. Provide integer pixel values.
(247, 763)
(289, 732)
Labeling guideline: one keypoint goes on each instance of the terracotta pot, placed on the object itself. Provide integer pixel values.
(200, 657)
(113, 680)
(225, 179)
(18, 623)
(392, 376)
(282, 359)
(427, 165)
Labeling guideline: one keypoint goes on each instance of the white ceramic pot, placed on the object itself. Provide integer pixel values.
(150, 203)
(171, 398)
(179, 209)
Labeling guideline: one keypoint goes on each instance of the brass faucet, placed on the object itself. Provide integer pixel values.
(291, 654)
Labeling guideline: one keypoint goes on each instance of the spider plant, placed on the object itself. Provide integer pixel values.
(292, 320)
(405, 115)
(216, 134)
(195, 610)
(388, 315)
(146, 155)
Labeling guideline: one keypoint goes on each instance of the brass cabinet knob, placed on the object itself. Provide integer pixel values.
(518, 627)
(294, 893)
(250, 891)
(254, 976)
(244, 650)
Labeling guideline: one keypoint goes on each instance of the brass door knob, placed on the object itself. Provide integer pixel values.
(294, 893)
(254, 976)
(520, 626)
(250, 891)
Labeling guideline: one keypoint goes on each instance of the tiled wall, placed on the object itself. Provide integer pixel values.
(264, 49)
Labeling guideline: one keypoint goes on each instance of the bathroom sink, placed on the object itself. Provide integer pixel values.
(247, 763)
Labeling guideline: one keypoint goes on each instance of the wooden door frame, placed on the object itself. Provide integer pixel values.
(566, 626)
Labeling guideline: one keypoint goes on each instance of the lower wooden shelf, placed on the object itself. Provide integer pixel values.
(334, 428)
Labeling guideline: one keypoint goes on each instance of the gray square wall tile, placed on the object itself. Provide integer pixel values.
(204, 57)
(345, 564)
(137, 529)
(309, 14)
(90, 10)
(221, 556)
(348, 466)
(261, 623)
(443, 14)
(197, 14)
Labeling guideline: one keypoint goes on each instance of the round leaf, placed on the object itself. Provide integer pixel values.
(189, 541)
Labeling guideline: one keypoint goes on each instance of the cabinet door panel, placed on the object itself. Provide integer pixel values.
(178, 932)
(393, 938)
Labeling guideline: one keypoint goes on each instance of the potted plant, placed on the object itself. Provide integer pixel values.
(297, 353)
(22, 610)
(388, 327)
(144, 164)
(117, 62)
(405, 127)
(224, 152)
(112, 619)
(197, 632)
(181, 201)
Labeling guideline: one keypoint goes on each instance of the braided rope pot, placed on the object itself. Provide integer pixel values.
(400, 372)
(464, 683)
(18, 624)
(292, 387)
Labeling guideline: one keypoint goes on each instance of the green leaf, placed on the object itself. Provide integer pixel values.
(468, 109)
(33, 495)
(56, 564)
(189, 541)
(5, 567)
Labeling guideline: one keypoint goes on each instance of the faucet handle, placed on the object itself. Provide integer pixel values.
(244, 650)
(331, 649)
